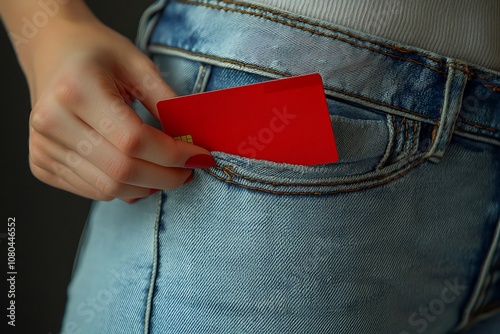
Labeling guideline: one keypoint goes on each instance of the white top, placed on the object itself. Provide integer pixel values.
(464, 29)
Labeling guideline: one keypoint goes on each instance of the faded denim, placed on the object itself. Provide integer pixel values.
(400, 236)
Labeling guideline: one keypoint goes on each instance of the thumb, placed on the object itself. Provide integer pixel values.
(148, 86)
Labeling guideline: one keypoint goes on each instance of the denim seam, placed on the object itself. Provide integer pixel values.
(416, 136)
(449, 114)
(327, 27)
(479, 310)
(403, 121)
(154, 269)
(158, 48)
(147, 23)
(383, 104)
(483, 75)
(202, 78)
(479, 286)
(494, 88)
(228, 170)
(410, 139)
(457, 116)
(402, 138)
(403, 153)
(395, 176)
(395, 132)
(479, 126)
(314, 24)
(224, 60)
(483, 314)
(474, 135)
(398, 48)
(282, 74)
(312, 31)
(81, 241)
(168, 50)
(390, 144)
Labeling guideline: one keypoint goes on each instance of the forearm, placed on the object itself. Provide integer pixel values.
(30, 21)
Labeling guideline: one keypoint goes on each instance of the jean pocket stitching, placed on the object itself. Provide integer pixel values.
(382, 179)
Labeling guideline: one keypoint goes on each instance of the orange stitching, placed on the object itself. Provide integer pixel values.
(260, 189)
(396, 138)
(400, 173)
(301, 20)
(227, 170)
(312, 31)
(480, 77)
(230, 170)
(230, 61)
(380, 103)
(484, 73)
(496, 89)
(414, 146)
(403, 121)
(290, 17)
(461, 69)
(434, 135)
(406, 141)
(283, 74)
(479, 126)
(399, 49)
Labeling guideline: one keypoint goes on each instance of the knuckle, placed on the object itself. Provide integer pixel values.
(67, 92)
(128, 142)
(120, 170)
(42, 119)
(108, 187)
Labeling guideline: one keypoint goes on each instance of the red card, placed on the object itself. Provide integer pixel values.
(284, 120)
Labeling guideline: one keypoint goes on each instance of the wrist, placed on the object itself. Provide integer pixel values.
(31, 24)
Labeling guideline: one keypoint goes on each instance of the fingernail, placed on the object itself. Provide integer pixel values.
(200, 161)
(189, 178)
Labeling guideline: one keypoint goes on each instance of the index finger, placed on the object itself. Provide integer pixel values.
(118, 123)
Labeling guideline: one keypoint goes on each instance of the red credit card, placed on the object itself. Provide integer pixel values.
(284, 120)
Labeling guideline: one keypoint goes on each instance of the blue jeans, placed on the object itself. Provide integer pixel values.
(400, 236)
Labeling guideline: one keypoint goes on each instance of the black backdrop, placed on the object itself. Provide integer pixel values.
(48, 221)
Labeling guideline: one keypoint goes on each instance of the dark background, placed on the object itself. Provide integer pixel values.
(48, 221)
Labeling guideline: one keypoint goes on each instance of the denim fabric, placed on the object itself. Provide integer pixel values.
(400, 236)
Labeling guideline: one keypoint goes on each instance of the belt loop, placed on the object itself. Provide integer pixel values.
(147, 23)
(458, 75)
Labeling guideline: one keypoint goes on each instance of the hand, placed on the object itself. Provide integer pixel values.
(84, 137)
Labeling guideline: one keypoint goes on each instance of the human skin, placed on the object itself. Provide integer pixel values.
(84, 136)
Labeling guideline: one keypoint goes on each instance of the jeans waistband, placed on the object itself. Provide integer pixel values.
(449, 94)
